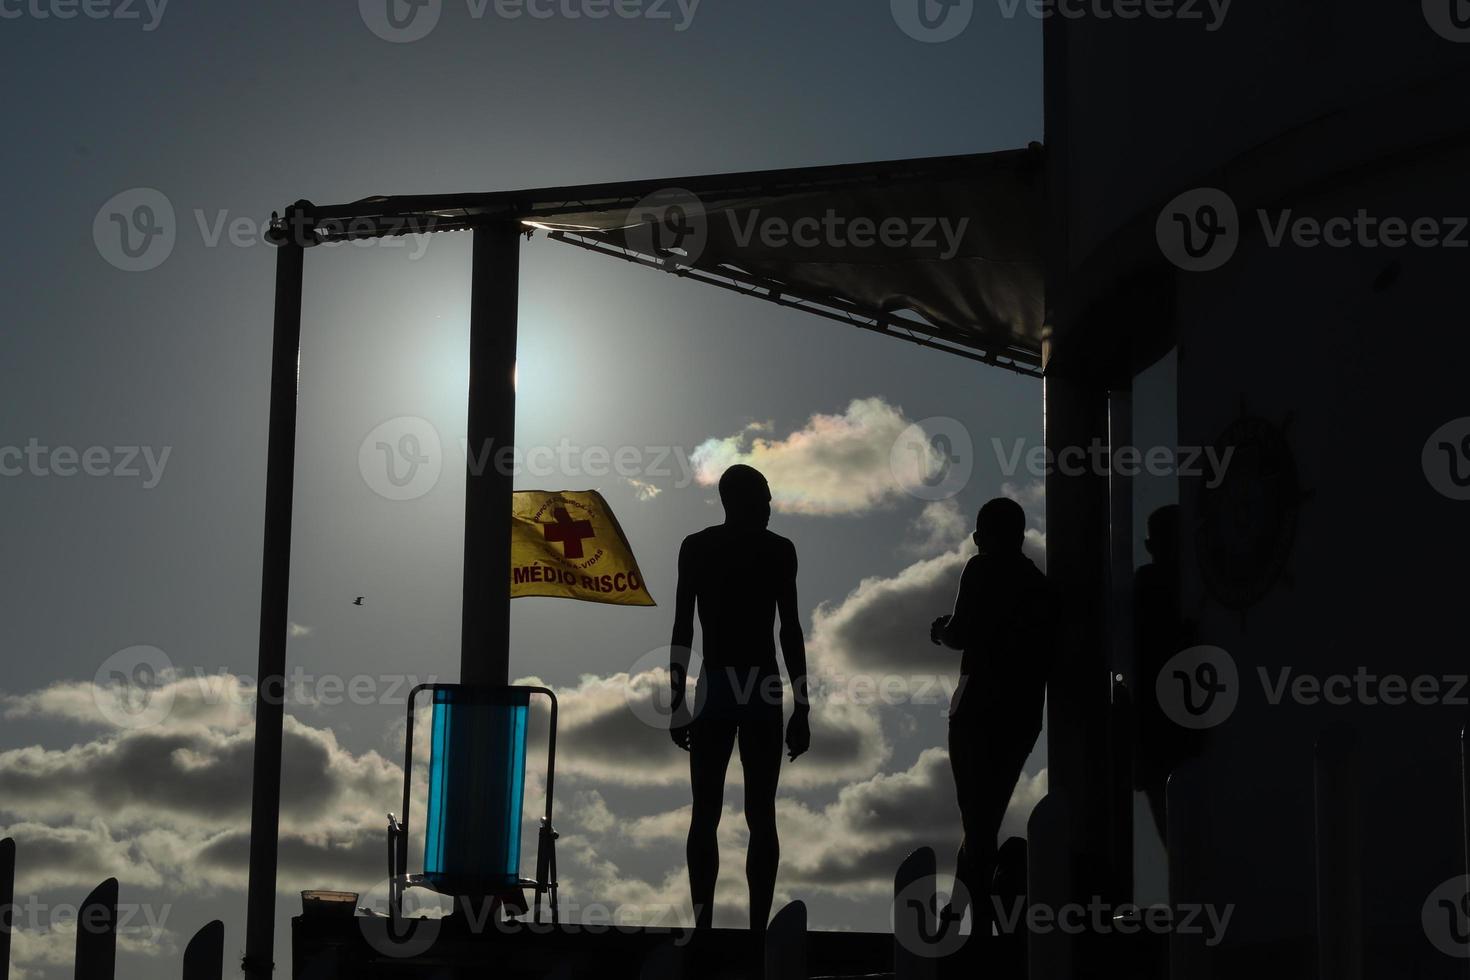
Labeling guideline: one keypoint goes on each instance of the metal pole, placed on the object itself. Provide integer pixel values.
(485, 635)
(275, 589)
(1465, 799)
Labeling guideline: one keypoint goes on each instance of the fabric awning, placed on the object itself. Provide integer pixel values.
(943, 251)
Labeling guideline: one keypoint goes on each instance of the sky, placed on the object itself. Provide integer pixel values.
(214, 115)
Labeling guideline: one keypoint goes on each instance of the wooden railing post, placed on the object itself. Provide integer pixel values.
(786, 944)
(913, 882)
(97, 933)
(7, 903)
(204, 957)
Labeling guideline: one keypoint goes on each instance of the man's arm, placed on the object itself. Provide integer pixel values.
(793, 651)
(951, 630)
(680, 645)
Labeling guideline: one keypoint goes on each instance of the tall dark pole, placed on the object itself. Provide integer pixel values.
(275, 591)
(485, 634)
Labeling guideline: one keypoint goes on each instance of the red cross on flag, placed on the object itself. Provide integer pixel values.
(568, 544)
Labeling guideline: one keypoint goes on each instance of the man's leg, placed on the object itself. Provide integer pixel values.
(962, 751)
(709, 757)
(760, 758)
(998, 769)
(986, 768)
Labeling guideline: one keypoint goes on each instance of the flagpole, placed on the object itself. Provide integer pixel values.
(275, 593)
(489, 480)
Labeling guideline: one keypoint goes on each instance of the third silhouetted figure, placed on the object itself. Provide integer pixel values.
(1159, 631)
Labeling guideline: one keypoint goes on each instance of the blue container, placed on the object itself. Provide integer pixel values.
(477, 783)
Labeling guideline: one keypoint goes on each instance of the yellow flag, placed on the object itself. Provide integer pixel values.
(568, 544)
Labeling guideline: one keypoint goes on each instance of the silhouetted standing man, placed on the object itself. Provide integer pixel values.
(738, 575)
(1159, 631)
(1001, 622)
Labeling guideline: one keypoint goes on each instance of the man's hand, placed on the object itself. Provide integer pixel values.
(681, 726)
(936, 630)
(798, 733)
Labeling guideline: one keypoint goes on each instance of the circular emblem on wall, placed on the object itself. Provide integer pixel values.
(1247, 519)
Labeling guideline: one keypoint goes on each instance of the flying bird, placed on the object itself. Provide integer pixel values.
(357, 601)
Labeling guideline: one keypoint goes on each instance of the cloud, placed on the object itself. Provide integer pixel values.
(35, 953)
(642, 489)
(196, 777)
(939, 527)
(852, 847)
(172, 798)
(1032, 498)
(203, 702)
(335, 855)
(881, 628)
(835, 464)
(848, 849)
(611, 730)
(176, 794)
(75, 857)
